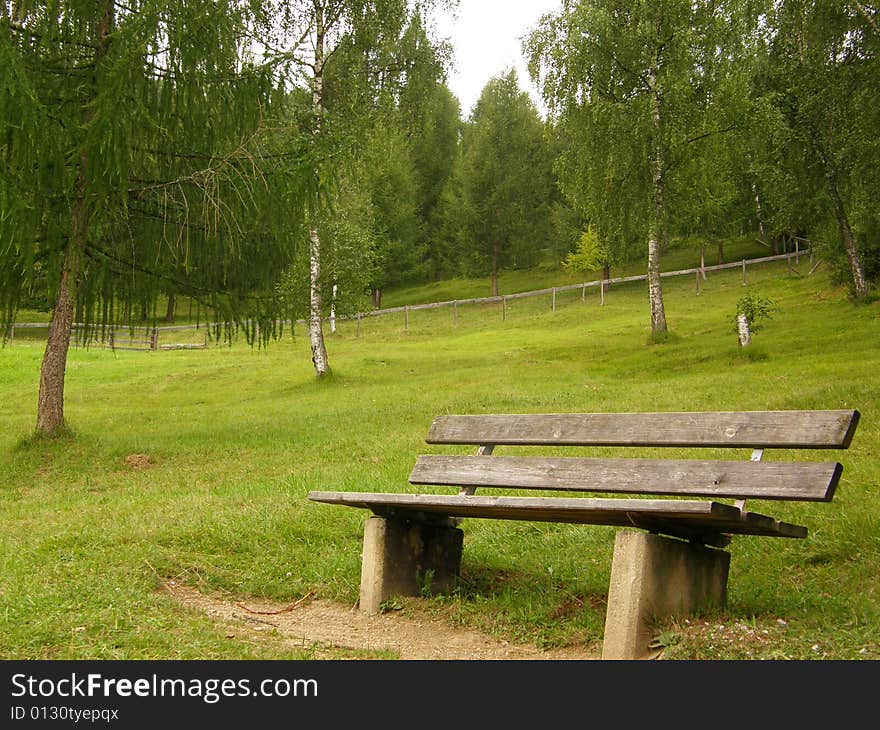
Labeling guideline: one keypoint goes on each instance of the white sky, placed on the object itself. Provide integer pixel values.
(486, 36)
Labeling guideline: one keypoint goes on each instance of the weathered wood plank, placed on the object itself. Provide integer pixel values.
(829, 429)
(696, 516)
(807, 481)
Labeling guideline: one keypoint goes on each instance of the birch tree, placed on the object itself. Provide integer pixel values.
(347, 53)
(823, 74)
(619, 78)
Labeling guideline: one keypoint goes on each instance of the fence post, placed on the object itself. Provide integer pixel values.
(584, 292)
(553, 300)
(602, 293)
(406, 318)
(455, 312)
(698, 282)
(744, 272)
(358, 334)
(503, 308)
(154, 339)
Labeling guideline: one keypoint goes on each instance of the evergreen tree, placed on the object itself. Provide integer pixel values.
(137, 152)
(506, 180)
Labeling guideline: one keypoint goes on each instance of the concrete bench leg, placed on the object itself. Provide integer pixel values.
(404, 558)
(656, 577)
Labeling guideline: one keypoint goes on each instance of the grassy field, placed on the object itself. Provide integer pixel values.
(194, 465)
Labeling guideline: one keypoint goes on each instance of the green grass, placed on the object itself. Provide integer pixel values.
(237, 437)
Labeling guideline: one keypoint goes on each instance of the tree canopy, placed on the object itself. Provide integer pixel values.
(138, 153)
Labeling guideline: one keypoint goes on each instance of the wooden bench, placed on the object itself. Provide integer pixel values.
(672, 564)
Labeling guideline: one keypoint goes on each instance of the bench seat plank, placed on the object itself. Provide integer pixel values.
(806, 481)
(830, 429)
(690, 515)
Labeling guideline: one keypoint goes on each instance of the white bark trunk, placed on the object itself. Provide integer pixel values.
(745, 334)
(860, 283)
(316, 331)
(333, 311)
(655, 234)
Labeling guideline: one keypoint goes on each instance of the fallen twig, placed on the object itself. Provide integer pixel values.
(292, 606)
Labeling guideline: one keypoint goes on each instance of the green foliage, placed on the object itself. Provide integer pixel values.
(755, 308)
(591, 254)
(385, 110)
(130, 149)
(349, 249)
(501, 207)
(819, 71)
(664, 640)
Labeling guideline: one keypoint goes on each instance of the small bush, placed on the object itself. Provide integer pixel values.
(754, 308)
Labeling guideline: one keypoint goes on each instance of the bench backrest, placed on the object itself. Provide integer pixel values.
(747, 429)
(807, 481)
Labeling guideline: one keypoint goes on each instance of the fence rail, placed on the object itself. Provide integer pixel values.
(601, 283)
(153, 332)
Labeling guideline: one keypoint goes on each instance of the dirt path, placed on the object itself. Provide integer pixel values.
(330, 629)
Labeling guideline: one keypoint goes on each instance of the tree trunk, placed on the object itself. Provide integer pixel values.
(316, 330)
(50, 404)
(759, 213)
(743, 329)
(860, 284)
(493, 263)
(720, 251)
(169, 310)
(655, 233)
(377, 297)
(53, 369)
(606, 273)
(703, 261)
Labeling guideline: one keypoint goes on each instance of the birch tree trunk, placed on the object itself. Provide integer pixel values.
(860, 284)
(655, 234)
(743, 329)
(53, 369)
(316, 330)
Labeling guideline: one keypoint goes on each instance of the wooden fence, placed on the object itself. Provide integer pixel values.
(147, 338)
(699, 272)
(137, 338)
